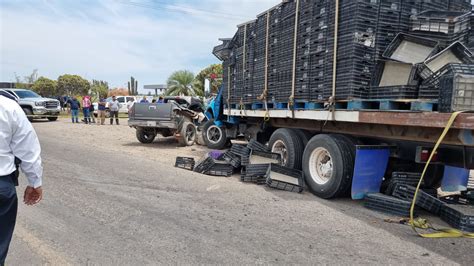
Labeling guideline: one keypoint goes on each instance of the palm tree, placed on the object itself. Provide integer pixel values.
(180, 83)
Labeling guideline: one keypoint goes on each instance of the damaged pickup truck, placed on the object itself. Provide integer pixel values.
(177, 116)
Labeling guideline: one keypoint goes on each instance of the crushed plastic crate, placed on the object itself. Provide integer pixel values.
(232, 159)
(220, 169)
(424, 200)
(387, 204)
(284, 178)
(258, 157)
(255, 173)
(204, 164)
(410, 49)
(257, 146)
(185, 163)
(458, 216)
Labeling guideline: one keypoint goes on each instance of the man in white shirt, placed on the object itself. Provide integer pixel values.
(17, 140)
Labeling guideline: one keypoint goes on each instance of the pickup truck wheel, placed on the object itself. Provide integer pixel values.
(328, 165)
(187, 134)
(28, 113)
(145, 136)
(215, 137)
(52, 118)
(288, 143)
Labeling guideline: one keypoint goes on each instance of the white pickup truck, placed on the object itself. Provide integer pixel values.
(35, 106)
(123, 100)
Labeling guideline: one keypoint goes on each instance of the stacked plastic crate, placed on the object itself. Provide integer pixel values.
(249, 61)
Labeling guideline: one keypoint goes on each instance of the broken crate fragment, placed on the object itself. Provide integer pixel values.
(220, 169)
(185, 163)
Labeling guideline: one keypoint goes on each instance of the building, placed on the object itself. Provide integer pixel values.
(159, 89)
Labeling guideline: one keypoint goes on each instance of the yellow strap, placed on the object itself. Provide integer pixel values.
(423, 223)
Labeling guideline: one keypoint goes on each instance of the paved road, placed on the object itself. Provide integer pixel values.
(109, 200)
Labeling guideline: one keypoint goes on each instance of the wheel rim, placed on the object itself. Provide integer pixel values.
(321, 166)
(147, 136)
(190, 133)
(280, 148)
(214, 134)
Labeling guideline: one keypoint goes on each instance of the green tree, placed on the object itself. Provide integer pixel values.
(45, 87)
(213, 73)
(99, 89)
(181, 83)
(73, 85)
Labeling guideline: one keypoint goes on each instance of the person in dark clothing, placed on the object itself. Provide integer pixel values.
(101, 111)
(75, 106)
(91, 113)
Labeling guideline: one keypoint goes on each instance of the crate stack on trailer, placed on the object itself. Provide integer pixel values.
(264, 65)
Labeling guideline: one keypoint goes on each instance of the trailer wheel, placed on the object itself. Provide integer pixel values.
(145, 136)
(289, 144)
(304, 135)
(328, 165)
(215, 137)
(187, 134)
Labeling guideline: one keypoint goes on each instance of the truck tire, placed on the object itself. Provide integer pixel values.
(328, 165)
(215, 137)
(145, 136)
(289, 144)
(28, 113)
(304, 135)
(53, 118)
(187, 134)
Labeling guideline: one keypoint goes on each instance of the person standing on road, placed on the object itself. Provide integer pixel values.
(114, 107)
(86, 105)
(101, 111)
(18, 145)
(74, 105)
(91, 113)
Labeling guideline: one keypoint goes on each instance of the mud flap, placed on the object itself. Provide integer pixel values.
(369, 169)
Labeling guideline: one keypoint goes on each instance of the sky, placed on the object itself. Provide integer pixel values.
(112, 40)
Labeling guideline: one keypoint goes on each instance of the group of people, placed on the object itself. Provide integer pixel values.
(88, 109)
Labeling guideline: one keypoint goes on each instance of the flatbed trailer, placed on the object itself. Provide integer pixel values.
(300, 135)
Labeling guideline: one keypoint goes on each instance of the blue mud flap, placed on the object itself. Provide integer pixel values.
(369, 169)
(454, 179)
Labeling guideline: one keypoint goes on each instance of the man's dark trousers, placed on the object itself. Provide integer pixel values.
(8, 210)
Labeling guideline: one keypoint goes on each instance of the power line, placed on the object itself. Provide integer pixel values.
(183, 10)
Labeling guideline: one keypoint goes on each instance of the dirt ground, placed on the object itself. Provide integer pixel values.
(112, 200)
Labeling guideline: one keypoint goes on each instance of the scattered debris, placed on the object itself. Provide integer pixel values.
(284, 178)
(388, 204)
(185, 163)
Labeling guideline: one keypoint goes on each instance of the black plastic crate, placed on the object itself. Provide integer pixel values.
(232, 159)
(457, 48)
(255, 173)
(424, 200)
(259, 157)
(458, 216)
(185, 163)
(204, 164)
(294, 180)
(401, 38)
(394, 92)
(456, 93)
(220, 169)
(240, 150)
(387, 204)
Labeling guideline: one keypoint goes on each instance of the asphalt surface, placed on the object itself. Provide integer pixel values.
(110, 200)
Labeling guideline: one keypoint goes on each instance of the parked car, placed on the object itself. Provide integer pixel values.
(35, 106)
(123, 100)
